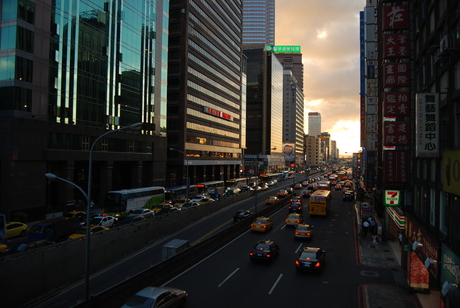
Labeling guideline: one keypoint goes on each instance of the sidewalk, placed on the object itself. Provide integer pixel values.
(388, 255)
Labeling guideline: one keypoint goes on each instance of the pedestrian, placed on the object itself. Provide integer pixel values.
(372, 226)
(400, 238)
(91, 205)
(365, 228)
(375, 239)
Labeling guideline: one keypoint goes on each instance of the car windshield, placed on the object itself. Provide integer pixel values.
(293, 216)
(242, 214)
(303, 228)
(137, 301)
(138, 212)
(260, 221)
(81, 231)
(96, 221)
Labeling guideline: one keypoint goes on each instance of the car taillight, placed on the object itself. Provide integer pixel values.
(251, 254)
(308, 233)
(287, 220)
(265, 227)
(252, 225)
(318, 264)
(298, 221)
(297, 262)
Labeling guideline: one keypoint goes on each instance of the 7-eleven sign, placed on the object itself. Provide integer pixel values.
(392, 197)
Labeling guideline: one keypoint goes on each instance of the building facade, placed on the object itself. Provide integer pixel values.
(314, 124)
(411, 135)
(205, 91)
(258, 22)
(291, 61)
(71, 72)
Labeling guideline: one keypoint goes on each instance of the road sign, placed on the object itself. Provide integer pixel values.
(392, 197)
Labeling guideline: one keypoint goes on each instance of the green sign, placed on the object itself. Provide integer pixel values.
(285, 48)
(391, 197)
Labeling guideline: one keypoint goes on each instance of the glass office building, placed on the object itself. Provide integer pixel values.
(72, 71)
(259, 22)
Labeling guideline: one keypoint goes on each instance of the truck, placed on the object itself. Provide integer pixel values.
(174, 247)
(54, 229)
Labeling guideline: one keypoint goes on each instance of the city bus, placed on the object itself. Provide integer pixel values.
(122, 201)
(320, 202)
(180, 192)
(211, 188)
(236, 183)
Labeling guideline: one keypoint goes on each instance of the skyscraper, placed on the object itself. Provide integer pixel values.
(72, 71)
(259, 22)
(205, 95)
(314, 124)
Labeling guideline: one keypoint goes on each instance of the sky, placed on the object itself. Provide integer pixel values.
(328, 32)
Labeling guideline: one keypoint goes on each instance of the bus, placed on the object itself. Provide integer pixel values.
(213, 188)
(320, 202)
(122, 201)
(180, 192)
(236, 183)
(324, 185)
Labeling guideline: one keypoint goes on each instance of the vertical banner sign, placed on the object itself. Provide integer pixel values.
(395, 17)
(396, 74)
(397, 166)
(427, 125)
(392, 197)
(396, 104)
(396, 45)
(396, 133)
(451, 172)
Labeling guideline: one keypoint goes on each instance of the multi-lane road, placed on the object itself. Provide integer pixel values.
(227, 277)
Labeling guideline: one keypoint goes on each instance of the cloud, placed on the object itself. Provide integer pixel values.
(328, 32)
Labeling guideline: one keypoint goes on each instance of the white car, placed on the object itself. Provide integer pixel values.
(105, 221)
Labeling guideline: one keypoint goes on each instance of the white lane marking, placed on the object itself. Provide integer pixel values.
(298, 248)
(228, 277)
(276, 282)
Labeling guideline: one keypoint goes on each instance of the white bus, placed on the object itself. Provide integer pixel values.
(122, 201)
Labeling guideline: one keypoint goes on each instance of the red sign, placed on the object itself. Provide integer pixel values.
(396, 133)
(396, 45)
(397, 165)
(396, 74)
(396, 104)
(395, 17)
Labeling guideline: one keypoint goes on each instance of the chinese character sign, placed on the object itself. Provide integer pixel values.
(397, 166)
(396, 17)
(396, 104)
(396, 133)
(396, 74)
(396, 45)
(427, 125)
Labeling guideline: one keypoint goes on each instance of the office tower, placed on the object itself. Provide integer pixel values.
(205, 95)
(264, 104)
(71, 72)
(259, 22)
(293, 117)
(314, 124)
(290, 58)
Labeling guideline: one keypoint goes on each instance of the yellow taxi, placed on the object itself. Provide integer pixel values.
(82, 231)
(294, 219)
(262, 224)
(271, 200)
(15, 228)
(161, 205)
(180, 202)
(76, 214)
(303, 231)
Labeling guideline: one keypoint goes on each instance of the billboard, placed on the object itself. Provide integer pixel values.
(289, 151)
(451, 171)
(427, 125)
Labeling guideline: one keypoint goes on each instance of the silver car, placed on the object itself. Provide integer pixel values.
(151, 297)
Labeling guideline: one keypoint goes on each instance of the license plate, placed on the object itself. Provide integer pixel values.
(307, 263)
(259, 255)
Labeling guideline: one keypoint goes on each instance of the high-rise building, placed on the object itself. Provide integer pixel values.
(264, 106)
(205, 91)
(258, 22)
(314, 124)
(293, 117)
(71, 72)
(291, 61)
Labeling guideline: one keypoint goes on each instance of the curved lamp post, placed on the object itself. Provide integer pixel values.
(187, 180)
(257, 174)
(88, 199)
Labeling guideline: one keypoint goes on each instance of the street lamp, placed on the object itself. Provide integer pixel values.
(257, 175)
(51, 176)
(187, 180)
(88, 208)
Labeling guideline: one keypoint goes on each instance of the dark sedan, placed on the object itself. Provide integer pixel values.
(240, 215)
(264, 250)
(295, 208)
(310, 259)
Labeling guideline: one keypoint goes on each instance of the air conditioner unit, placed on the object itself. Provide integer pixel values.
(447, 43)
